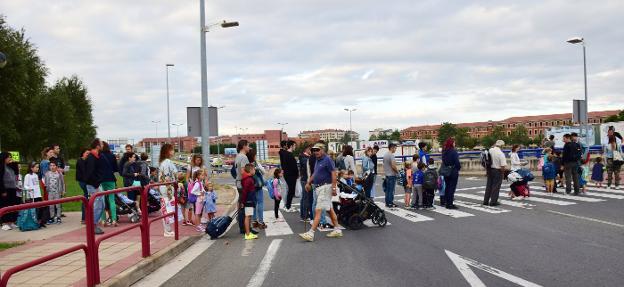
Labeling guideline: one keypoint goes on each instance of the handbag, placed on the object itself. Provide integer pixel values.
(446, 170)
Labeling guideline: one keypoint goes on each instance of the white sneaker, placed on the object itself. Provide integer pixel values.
(169, 234)
(13, 225)
(337, 233)
(307, 236)
(6, 227)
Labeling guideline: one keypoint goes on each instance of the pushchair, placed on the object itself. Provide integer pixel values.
(127, 206)
(520, 179)
(356, 207)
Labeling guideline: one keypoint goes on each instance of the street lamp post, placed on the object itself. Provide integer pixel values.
(178, 135)
(156, 122)
(350, 123)
(168, 114)
(580, 40)
(205, 130)
(281, 130)
(218, 108)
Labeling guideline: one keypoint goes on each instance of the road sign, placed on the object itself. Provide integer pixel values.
(579, 113)
(193, 121)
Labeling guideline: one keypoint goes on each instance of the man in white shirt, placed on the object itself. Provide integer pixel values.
(495, 174)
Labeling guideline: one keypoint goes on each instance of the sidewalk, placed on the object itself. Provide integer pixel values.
(117, 254)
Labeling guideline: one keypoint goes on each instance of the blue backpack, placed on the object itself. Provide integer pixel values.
(269, 185)
(233, 171)
(27, 220)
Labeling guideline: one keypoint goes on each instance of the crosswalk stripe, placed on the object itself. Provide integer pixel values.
(454, 213)
(469, 188)
(406, 214)
(369, 223)
(604, 195)
(544, 200)
(479, 207)
(276, 228)
(502, 201)
(590, 187)
(569, 197)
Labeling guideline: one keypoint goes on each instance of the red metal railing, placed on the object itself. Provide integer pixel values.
(91, 246)
(7, 274)
(146, 222)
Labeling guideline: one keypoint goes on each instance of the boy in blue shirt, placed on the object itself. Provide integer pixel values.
(417, 186)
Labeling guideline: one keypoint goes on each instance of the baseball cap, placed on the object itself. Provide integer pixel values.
(318, 146)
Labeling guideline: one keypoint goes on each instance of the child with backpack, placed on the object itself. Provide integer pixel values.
(32, 191)
(183, 203)
(210, 203)
(247, 199)
(55, 186)
(598, 172)
(417, 186)
(430, 183)
(549, 173)
(406, 174)
(196, 197)
(278, 185)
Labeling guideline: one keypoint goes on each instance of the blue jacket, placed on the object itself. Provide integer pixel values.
(549, 171)
(109, 166)
(418, 177)
(451, 158)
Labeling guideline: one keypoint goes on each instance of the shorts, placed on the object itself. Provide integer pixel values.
(199, 206)
(249, 211)
(323, 195)
(188, 205)
(549, 181)
(408, 189)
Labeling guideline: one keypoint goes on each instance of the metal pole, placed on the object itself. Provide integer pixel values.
(586, 106)
(205, 130)
(350, 125)
(168, 114)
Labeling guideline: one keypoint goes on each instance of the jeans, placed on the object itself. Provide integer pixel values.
(389, 186)
(241, 213)
(305, 206)
(98, 204)
(85, 193)
(493, 185)
(572, 175)
(450, 184)
(259, 209)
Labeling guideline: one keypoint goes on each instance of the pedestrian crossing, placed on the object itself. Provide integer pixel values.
(468, 199)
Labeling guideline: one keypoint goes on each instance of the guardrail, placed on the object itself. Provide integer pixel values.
(85, 247)
(91, 246)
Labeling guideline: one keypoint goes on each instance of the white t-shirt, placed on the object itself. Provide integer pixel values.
(498, 158)
(350, 163)
(31, 184)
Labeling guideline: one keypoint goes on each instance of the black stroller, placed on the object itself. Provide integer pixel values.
(355, 208)
(127, 206)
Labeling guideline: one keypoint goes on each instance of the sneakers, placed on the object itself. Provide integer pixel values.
(58, 220)
(250, 236)
(13, 226)
(307, 236)
(50, 221)
(98, 230)
(335, 234)
(169, 234)
(6, 227)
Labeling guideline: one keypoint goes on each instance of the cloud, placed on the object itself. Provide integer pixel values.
(400, 63)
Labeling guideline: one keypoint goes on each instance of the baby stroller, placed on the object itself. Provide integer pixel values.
(355, 208)
(520, 182)
(127, 206)
(153, 201)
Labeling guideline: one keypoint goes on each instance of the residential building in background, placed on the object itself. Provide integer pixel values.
(535, 125)
(328, 135)
(271, 136)
(379, 132)
(184, 144)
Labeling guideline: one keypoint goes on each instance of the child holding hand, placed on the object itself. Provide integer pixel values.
(210, 203)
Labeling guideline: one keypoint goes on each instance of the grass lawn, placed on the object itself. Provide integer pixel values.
(7, 245)
(74, 189)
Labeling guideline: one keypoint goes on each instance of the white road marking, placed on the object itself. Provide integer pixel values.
(165, 272)
(470, 188)
(502, 201)
(406, 214)
(587, 218)
(472, 178)
(604, 195)
(479, 207)
(454, 213)
(249, 245)
(544, 200)
(463, 264)
(563, 196)
(369, 223)
(265, 265)
(590, 187)
(276, 228)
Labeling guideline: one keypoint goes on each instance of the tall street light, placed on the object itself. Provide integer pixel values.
(350, 123)
(218, 142)
(205, 130)
(580, 40)
(168, 114)
(156, 122)
(178, 135)
(282, 130)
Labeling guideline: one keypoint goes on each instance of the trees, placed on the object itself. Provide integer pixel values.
(616, 118)
(498, 133)
(446, 131)
(395, 135)
(34, 116)
(520, 135)
(461, 135)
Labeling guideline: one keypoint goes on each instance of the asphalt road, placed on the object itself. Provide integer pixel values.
(549, 241)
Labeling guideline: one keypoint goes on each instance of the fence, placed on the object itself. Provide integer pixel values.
(91, 246)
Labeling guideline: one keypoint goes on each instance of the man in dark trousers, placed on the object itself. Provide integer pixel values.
(306, 198)
(94, 174)
(572, 153)
(291, 172)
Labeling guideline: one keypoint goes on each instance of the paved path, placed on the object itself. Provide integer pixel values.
(551, 241)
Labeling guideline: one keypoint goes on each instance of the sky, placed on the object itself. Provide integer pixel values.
(399, 63)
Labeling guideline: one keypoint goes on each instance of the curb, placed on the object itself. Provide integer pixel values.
(160, 258)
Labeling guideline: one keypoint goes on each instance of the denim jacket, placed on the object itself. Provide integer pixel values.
(367, 164)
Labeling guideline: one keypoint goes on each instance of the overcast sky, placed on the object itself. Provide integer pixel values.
(400, 63)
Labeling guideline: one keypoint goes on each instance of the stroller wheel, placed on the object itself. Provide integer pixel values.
(355, 222)
(134, 218)
(374, 219)
(382, 220)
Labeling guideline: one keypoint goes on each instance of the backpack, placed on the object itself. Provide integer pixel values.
(233, 171)
(430, 179)
(192, 198)
(548, 170)
(258, 182)
(27, 220)
(486, 159)
(402, 178)
(269, 185)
